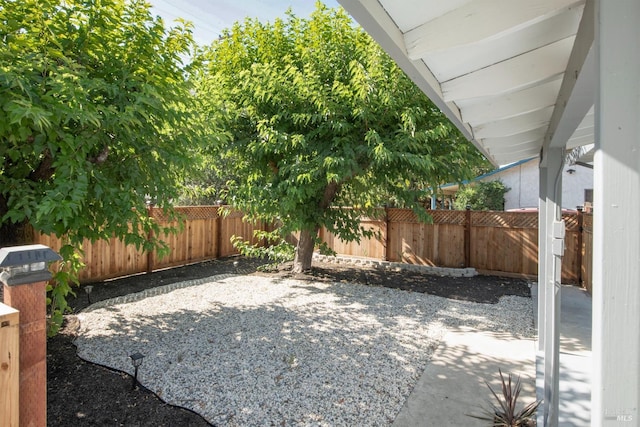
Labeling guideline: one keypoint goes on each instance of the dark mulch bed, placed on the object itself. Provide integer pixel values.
(84, 394)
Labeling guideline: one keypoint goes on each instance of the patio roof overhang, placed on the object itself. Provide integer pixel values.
(513, 76)
(520, 78)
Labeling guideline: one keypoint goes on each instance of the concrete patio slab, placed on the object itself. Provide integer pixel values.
(575, 357)
(452, 385)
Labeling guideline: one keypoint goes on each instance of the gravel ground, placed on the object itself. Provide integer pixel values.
(252, 350)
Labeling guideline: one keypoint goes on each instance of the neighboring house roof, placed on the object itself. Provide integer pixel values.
(451, 188)
(522, 180)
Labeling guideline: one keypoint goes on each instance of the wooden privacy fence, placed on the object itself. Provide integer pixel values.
(203, 234)
(491, 242)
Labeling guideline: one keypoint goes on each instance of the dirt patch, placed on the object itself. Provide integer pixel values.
(84, 394)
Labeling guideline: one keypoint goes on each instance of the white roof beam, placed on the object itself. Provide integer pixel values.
(521, 138)
(577, 93)
(504, 159)
(581, 140)
(475, 21)
(542, 65)
(509, 151)
(493, 149)
(515, 125)
(511, 105)
(583, 131)
(455, 62)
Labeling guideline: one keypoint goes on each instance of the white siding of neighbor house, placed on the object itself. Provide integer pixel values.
(523, 183)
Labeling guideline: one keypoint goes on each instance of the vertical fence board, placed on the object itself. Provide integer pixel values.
(587, 252)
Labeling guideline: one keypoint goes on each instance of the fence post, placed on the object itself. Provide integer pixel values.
(467, 237)
(218, 232)
(9, 366)
(385, 256)
(150, 257)
(580, 219)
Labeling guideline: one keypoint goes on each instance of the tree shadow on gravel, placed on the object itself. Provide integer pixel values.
(84, 394)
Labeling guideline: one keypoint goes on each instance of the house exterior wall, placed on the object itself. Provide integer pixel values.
(523, 183)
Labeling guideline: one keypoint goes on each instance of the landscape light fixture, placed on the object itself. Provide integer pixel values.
(20, 265)
(235, 266)
(88, 290)
(136, 361)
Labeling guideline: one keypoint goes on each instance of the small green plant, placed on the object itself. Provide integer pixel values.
(506, 414)
(64, 278)
(276, 248)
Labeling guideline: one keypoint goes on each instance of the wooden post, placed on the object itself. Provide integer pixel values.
(615, 390)
(580, 219)
(549, 278)
(385, 256)
(9, 366)
(467, 237)
(150, 257)
(218, 236)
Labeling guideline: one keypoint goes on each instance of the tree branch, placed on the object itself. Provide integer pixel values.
(45, 170)
(329, 195)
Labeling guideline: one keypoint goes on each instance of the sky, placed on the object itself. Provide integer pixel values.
(210, 17)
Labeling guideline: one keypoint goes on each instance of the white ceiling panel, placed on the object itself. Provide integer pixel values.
(502, 70)
(483, 110)
(460, 60)
(474, 22)
(523, 71)
(421, 11)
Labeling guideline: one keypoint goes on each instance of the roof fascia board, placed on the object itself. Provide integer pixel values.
(488, 174)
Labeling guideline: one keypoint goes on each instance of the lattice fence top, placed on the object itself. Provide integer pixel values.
(189, 212)
(448, 217)
(401, 215)
(571, 222)
(517, 220)
(504, 219)
(439, 216)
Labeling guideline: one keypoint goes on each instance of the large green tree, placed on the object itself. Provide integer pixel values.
(95, 120)
(319, 117)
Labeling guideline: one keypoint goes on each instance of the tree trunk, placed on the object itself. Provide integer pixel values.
(13, 234)
(304, 251)
(306, 243)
